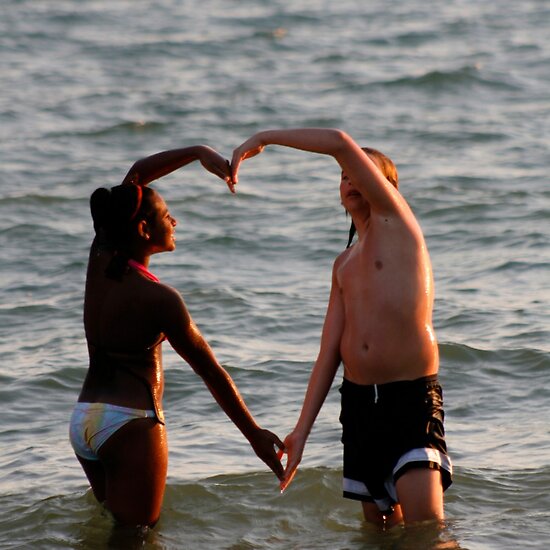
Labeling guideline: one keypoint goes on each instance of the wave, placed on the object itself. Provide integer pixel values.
(452, 79)
(121, 128)
(462, 353)
(248, 511)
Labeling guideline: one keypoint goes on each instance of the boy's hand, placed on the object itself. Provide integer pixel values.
(293, 448)
(250, 148)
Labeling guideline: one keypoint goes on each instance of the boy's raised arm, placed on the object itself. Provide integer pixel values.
(362, 171)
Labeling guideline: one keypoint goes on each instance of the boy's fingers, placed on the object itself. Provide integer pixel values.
(235, 163)
(289, 476)
(230, 184)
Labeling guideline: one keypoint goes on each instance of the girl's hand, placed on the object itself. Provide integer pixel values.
(263, 442)
(212, 161)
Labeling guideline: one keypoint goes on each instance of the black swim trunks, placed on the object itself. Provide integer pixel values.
(388, 429)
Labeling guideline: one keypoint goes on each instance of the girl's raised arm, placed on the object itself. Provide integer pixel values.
(153, 167)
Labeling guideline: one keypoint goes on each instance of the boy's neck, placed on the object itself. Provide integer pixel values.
(361, 225)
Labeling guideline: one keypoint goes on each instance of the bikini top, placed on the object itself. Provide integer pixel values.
(140, 268)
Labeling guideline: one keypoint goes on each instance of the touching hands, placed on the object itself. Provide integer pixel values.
(212, 161)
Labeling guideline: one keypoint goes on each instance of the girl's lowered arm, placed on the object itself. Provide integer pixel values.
(188, 342)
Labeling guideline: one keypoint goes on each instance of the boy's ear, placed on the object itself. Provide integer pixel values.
(143, 229)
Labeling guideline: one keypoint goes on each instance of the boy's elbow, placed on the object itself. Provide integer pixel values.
(341, 140)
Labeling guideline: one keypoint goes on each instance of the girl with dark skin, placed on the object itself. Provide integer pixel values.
(117, 429)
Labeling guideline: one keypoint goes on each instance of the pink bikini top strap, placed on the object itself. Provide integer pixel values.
(143, 270)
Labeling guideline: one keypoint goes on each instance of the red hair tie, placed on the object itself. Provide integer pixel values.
(139, 191)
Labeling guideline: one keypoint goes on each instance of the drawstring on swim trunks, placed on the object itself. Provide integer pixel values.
(375, 393)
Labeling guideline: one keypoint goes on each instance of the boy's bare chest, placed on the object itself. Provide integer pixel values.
(363, 271)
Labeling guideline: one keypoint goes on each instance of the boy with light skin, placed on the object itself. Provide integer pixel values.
(378, 324)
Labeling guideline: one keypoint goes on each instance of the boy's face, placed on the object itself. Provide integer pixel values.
(350, 197)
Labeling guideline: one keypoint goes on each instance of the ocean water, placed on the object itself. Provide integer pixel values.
(455, 92)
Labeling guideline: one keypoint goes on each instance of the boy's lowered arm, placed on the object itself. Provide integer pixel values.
(320, 381)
